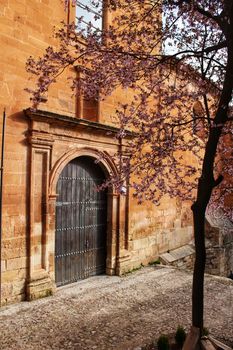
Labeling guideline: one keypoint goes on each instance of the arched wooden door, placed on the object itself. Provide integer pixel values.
(81, 220)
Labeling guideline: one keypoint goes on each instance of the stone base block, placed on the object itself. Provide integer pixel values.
(123, 263)
(192, 340)
(207, 345)
(182, 257)
(218, 345)
(40, 286)
(110, 271)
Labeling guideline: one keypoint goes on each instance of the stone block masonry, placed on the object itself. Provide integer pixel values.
(219, 246)
(182, 257)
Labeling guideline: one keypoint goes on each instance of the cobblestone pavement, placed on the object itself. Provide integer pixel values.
(107, 313)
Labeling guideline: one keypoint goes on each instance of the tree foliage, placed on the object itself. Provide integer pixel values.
(168, 62)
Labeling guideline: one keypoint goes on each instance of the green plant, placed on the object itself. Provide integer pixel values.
(180, 336)
(134, 269)
(155, 262)
(163, 342)
(205, 331)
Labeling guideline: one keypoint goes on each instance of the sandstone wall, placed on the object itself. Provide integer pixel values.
(26, 29)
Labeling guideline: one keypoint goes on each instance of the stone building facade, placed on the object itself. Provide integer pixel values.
(40, 149)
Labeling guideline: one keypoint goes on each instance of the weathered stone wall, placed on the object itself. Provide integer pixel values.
(26, 29)
(155, 230)
(32, 152)
(219, 246)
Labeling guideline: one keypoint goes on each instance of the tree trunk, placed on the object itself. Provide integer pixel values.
(205, 186)
(199, 266)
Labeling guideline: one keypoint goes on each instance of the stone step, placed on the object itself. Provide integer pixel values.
(182, 257)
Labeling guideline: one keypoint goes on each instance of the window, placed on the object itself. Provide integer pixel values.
(86, 108)
(89, 15)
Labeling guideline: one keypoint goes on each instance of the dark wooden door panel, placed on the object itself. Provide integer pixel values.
(81, 216)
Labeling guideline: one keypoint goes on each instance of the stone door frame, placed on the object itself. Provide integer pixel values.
(42, 235)
(44, 172)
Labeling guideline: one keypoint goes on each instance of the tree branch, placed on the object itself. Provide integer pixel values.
(220, 45)
(197, 8)
(218, 180)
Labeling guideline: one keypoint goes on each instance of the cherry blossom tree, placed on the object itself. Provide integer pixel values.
(170, 57)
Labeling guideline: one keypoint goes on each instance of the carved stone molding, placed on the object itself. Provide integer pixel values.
(48, 137)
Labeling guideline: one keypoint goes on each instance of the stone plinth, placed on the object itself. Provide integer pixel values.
(40, 286)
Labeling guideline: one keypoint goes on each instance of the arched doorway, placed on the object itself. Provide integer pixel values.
(81, 222)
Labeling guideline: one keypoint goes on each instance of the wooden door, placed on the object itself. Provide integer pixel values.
(81, 218)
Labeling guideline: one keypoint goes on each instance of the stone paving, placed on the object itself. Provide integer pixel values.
(120, 313)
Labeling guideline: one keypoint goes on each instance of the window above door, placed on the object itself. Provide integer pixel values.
(89, 14)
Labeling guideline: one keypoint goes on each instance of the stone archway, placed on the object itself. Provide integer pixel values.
(106, 167)
(106, 163)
